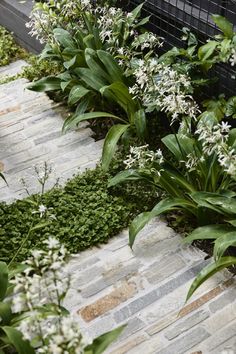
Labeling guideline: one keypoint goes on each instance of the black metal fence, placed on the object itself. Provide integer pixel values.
(168, 17)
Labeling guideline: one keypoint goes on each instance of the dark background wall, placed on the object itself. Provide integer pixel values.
(13, 16)
(168, 17)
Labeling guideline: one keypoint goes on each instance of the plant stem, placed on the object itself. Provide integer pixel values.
(21, 246)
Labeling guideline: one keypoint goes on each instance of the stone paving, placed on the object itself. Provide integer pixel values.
(144, 288)
(30, 133)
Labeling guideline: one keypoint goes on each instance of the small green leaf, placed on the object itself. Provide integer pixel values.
(231, 107)
(110, 143)
(40, 225)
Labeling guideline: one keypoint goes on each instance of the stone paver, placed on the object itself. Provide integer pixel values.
(113, 285)
(30, 132)
(12, 69)
(157, 318)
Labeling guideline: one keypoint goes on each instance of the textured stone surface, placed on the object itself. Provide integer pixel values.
(30, 131)
(12, 69)
(108, 302)
(145, 288)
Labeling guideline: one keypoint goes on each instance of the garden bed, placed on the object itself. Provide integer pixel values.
(176, 149)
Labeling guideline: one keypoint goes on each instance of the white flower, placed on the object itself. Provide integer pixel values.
(141, 157)
(232, 59)
(161, 87)
(52, 243)
(214, 140)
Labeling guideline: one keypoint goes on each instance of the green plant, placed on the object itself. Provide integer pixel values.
(94, 212)
(222, 234)
(9, 50)
(195, 164)
(94, 79)
(197, 60)
(96, 56)
(35, 70)
(10, 336)
(33, 319)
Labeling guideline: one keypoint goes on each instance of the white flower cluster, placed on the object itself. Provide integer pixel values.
(141, 156)
(41, 25)
(232, 59)
(192, 161)
(147, 40)
(161, 87)
(63, 336)
(108, 19)
(214, 139)
(41, 281)
(111, 22)
(56, 13)
(38, 292)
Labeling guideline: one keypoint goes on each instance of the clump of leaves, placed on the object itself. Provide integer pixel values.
(36, 70)
(87, 213)
(9, 50)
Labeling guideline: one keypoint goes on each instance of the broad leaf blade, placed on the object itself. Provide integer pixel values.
(15, 337)
(64, 38)
(209, 232)
(208, 272)
(110, 143)
(224, 25)
(180, 146)
(3, 279)
(93, 81)
(163, 206)
(49, 83)
(101, 343)
(123, 176)
(5, 313)
(113, 69)
(140, 123)
(76, 93)
(222, 243)
(77, 118)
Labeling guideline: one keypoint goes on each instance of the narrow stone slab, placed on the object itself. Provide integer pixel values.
(108, 302)
(12, 69)
(30, 131)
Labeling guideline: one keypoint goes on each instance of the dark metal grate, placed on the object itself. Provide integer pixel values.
(168, 17)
